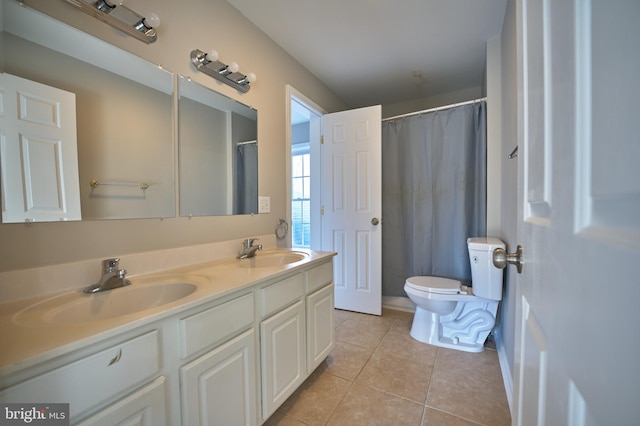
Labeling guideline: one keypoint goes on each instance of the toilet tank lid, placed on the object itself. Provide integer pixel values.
(435, 284)
(484, 243)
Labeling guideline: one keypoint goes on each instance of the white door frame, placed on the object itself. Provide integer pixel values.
(316, 190)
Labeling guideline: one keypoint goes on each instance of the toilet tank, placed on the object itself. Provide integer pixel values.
(486, 279)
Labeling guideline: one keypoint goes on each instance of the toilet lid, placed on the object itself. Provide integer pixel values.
(435, 284)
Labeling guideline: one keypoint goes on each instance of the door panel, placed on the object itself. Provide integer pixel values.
(579, 204)
(352, 197)
(533, 369)
(39, 152)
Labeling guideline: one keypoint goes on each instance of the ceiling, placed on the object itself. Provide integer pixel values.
(379, 51)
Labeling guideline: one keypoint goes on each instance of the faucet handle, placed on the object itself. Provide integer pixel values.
(249, 242)
(110, 265)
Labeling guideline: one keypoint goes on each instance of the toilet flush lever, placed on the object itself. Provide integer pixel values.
(501, 258)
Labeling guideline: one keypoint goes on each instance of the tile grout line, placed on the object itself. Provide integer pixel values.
(353, 382)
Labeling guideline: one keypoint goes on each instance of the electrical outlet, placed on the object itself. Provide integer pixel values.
(264, 204)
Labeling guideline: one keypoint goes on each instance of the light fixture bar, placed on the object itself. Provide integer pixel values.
(121, 18)
(228, 74)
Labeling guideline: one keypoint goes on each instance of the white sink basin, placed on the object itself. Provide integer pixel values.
(79, 307)
(273, 259)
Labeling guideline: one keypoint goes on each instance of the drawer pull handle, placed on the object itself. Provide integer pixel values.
(116, 358)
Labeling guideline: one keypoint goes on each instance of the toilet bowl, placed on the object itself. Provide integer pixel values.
(452, 315)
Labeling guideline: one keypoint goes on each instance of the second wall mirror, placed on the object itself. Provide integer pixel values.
(217, 151)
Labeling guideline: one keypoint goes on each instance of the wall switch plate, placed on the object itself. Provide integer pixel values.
(264, 204)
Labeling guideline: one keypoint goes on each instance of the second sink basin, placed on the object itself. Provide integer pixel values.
(272, 259)
(78, 307)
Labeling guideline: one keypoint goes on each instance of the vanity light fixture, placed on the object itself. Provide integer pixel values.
(121, 17)
(209, 64)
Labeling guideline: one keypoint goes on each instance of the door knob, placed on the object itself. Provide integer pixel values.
(375, 221)
(501, 258)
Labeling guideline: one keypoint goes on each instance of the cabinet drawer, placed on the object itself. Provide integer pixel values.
(276, 296)
(319, 277)
(216, 324)
(91, 381)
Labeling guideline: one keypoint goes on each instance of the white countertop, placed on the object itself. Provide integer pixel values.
(27, 343)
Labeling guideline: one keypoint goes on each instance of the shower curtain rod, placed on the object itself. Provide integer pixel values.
(440, 108)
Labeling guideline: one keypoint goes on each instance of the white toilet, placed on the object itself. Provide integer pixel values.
(452, 315)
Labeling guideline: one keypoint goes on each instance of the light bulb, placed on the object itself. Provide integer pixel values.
(153, 20)
(233, 67)
(212, 55)
(251, 77)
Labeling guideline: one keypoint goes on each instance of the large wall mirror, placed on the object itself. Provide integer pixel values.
(218, 153)
(125, 125)
(123, 113)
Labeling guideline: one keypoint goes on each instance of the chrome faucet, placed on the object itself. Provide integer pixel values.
(248, 249)
(111, 278)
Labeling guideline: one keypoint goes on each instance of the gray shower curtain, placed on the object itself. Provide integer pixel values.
(433, 194)
(246, 194)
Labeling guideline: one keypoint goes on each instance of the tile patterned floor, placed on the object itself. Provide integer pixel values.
(378, 375)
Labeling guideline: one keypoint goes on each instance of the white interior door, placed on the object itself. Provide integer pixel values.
(352, 205)
(38, 152)
(577, 343)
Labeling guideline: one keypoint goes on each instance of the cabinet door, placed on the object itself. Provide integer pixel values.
(320, 332)
(144, 407)
(283, 359)
(219, 388)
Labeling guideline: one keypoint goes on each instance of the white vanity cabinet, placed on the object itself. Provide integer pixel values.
(282, 341)
(220, 387)
(320, 308)
(230, 360)
(320, 330)
(283, 356)
(91, 382)
(296, 333)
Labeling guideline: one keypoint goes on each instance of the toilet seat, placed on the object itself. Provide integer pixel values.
(437, 285)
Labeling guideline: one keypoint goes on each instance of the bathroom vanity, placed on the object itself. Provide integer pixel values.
(221, 342)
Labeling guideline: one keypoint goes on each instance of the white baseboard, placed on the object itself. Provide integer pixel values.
(398, 303)
(504, 367)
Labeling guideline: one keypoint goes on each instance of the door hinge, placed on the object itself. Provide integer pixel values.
(322, 210)
(321, 139)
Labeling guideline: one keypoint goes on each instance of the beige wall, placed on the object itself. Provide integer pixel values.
(202, 24)
(391, 110)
